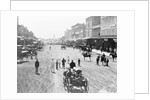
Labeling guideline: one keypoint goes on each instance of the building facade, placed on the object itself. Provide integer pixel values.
(78, 31)
(93, 31)
(108, 33)
(93, 26)
(102, 32)
(68, 34)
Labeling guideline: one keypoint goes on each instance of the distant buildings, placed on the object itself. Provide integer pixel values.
(68, 34)
(99, 31)
(77, 32)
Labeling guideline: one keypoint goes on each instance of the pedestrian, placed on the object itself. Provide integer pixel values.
(57, 64)
(68, 60)
(107, 61)
(97, 60)
(31, 55)
(35, 54)
(63, 63)
(79, 62)
(72, 64)
(36, 66)
(52, 66)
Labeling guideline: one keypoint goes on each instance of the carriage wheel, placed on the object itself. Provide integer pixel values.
(86, 87)
(65, 84)
(69, 88)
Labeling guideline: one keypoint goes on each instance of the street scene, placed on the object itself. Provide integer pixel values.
(80, 59)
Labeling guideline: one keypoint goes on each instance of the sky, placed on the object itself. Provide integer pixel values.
(49, 26)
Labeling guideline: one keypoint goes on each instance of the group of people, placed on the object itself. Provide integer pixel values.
(73, 75)
(102, 59)
(57, 64)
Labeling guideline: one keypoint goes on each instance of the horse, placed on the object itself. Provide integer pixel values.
(114, 55)
(104, 60)
(86, 54)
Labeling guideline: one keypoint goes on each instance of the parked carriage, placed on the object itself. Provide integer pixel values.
(63, 47)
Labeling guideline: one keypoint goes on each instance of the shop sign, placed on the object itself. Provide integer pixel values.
(105, 39)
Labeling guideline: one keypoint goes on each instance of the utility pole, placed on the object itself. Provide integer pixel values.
(17, 20)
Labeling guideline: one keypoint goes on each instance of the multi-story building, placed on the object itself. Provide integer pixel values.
(93, 26)
(108, 32)
(93, 30)
(108, 26)
(78, 31)
(101, 32)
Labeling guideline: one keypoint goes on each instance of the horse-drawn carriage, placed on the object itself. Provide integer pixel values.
(63, 47)
(113, 55)
(105, 60)
(25, 52)
(74, 81)
(86, 54)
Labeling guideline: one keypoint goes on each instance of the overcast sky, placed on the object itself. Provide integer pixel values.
(48, 26)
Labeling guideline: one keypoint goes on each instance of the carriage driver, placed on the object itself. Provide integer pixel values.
(78, 73)
(72, 64)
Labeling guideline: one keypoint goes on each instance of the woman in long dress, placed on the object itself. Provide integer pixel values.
(59, 63)
(52, 66)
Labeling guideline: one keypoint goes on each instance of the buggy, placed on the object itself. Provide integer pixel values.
(63, 47)
(74, 81)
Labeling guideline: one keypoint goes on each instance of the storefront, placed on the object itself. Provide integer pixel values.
(109, 45)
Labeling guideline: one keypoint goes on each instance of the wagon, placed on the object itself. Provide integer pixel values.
(63, 47)
(74, 85)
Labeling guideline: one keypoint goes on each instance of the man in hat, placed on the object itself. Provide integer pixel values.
(63, 63)
(52, 66)
(36, 66)
(72, 64)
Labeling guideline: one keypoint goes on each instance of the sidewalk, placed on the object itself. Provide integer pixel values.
(99, 52)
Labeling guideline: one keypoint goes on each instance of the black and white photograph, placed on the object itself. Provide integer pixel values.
(66, 54)
(90, 49)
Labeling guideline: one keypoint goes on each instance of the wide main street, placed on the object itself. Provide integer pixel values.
(100, 78)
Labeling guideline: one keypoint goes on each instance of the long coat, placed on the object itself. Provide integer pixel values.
(37, 64)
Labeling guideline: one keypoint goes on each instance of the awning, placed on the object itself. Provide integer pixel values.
(109, 36)
(86, 38)
(115, 40)
(24, 51)
(19, 45)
